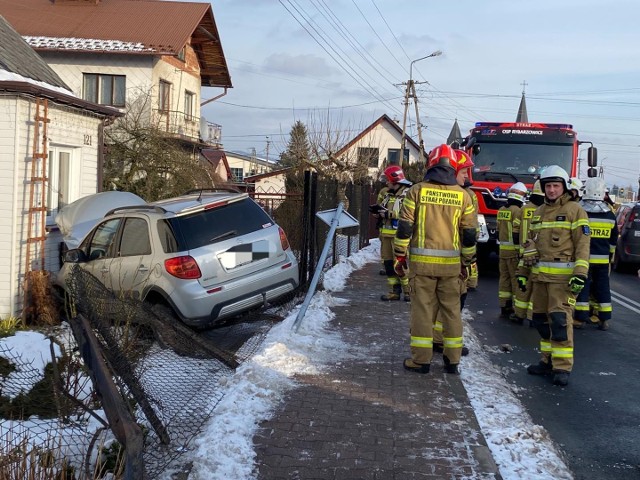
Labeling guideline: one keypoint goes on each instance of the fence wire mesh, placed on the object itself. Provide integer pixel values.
(170, 376)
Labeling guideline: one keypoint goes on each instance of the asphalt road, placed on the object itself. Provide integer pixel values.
(596, 419)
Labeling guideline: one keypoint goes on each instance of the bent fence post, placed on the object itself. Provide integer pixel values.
(318, 271)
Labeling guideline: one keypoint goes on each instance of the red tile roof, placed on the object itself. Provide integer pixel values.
(148, 26)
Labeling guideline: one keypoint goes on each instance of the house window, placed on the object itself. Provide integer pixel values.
(164, 100)
(105, 89)
(368, 156)
(237, 174)
(189, 98)
(64, 180)
(393, 156)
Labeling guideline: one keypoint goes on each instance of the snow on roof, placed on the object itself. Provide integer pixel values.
(14, 77)
(93, 44)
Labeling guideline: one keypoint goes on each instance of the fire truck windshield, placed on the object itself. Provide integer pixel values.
(510, 162)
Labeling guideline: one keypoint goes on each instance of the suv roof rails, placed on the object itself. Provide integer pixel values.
(137, 207)
(211, 190)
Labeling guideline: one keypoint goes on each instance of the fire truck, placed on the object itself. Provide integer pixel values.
(506, 153)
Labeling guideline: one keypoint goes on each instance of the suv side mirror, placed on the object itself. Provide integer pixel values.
(74, 255)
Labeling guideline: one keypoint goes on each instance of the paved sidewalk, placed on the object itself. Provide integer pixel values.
(371, 419)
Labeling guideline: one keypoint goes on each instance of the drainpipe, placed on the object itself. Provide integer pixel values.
(214, 98)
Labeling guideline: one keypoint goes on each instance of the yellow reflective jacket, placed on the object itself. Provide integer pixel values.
(392, 201)
(508, 225)
(525, 222)
(562, 237)
(437, 229)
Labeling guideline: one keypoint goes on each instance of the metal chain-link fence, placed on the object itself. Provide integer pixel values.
(168, 376)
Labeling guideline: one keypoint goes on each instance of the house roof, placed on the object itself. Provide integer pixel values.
(214, 157)
(24, 72)
(379, 121)
(147, 27)
(19, 58)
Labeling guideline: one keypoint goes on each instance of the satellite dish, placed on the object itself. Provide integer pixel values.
(204, 129)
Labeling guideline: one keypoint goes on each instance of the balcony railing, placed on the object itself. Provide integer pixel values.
(188, 127)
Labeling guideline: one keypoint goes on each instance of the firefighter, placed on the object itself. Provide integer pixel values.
(522, 304)
(437, 232)
(604, 237)
(375, 210)
(557, 254)
(464, 164)
(576, 188)
(397, 187)
(509, 239)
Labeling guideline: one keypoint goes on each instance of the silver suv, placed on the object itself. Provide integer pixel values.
(208, 255)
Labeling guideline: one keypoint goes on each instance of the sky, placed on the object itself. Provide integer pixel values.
(343, 62)
(253, 392)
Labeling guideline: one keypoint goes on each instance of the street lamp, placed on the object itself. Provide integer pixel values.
(411, 92)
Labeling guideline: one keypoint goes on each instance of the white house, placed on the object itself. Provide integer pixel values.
(379, 145)
(50, 155)
(111, 52)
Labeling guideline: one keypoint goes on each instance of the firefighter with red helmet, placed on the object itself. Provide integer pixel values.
(463, 168)
(509, 217)
(388, 211)
(521, 304)
(437, 234)
(554, 264)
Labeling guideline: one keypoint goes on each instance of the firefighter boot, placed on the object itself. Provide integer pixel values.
(450, 367)
(541, 368)
(412, 366)
(516, 319)
(561, 378)
(439, 348)
(394, 293)
(405, 289)
(506, 311)
(603, 325)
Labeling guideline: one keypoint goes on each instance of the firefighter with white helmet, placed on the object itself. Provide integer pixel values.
(522, 304)
(509, 247)
(437, 232)
(576, 187)
(388, 211)
(554, 264)
(604, 237)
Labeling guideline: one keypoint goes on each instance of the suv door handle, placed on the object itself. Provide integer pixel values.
(142, 268)
(104, 270)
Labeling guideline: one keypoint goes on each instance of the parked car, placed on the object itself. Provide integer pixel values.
(628, 248)
(207, 255)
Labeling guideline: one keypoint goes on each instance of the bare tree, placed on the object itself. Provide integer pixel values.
(143, 159)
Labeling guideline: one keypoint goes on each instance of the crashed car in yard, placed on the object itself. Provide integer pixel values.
(203, 257)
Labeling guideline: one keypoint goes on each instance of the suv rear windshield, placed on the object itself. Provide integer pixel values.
(209, 226)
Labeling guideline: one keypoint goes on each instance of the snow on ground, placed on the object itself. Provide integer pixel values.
(520, 448)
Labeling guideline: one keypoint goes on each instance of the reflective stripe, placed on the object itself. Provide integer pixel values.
(436, 260)
(504, 294)
(388, 231)
(452, 342)
(562, 352)
(555, 268)
(435, 253)
(520, 304)
(545, 346)
(468, 250)
(438, 327)
(422, 342)
(508, 247)
(582, 306)
(605, 307)
(582, 263)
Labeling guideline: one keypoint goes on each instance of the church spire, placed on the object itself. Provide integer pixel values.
(522, 110)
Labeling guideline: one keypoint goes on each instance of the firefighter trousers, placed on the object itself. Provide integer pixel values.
(432, 297)
(596, 286)
(553, 318)
(437, 327)
(522, 303)
(508, 285)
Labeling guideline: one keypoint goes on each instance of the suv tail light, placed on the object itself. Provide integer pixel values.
(184, 267)
(632, 216)
(284, 241)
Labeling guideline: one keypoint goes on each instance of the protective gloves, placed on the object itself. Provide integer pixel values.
(576, 283)
(530, 254)
(522, 282)
(400, 266)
